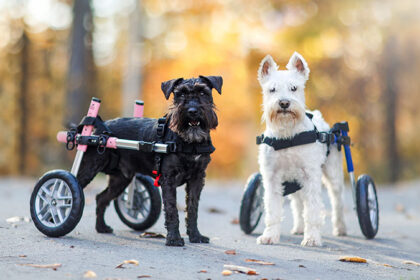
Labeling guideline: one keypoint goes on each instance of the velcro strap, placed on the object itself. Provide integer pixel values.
(146, 146)
(97, 122)
(203, 148)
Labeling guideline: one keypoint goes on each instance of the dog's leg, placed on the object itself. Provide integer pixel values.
(92, 164)
(117, 182)
(312, 209)
(297, 211)
(333, 179)
(192, 198)
(173, 238)
(273, 206)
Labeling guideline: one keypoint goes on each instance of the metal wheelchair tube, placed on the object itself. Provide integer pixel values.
(127, 144)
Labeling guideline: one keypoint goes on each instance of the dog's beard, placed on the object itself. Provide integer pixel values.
(279, 119)
(197, 130)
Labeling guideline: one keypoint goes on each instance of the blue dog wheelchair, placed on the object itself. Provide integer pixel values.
(364, 191)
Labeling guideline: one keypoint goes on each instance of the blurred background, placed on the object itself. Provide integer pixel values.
(364, 57)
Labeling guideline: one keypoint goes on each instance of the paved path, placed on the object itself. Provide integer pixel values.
(84, 249)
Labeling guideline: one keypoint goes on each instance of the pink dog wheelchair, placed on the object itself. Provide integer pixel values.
(57, 201)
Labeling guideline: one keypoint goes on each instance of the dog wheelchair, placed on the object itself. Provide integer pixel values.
(57, 201)
(363, 190)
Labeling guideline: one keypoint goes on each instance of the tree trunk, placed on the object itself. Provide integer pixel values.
(22, 102)
(391, 104)
(80, 76)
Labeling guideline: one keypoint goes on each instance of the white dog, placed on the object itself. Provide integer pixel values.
(308, 165)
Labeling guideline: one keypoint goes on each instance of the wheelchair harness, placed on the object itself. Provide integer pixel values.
(159, 147)
(308, 137)
(333, 136)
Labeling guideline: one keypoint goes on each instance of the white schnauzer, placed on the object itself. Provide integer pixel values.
(289, 163)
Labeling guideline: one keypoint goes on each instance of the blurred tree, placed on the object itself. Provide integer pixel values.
(390, 66)
(80, 77)
(23, 97)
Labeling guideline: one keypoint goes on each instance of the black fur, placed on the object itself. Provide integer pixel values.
(191, 117)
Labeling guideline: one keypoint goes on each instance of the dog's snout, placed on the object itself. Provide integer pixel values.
(284, 104)
(192, 112)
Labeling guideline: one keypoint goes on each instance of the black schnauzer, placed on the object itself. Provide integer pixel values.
(189, 121)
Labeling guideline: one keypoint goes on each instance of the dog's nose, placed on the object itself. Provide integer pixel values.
(193, 112)
(284, 104)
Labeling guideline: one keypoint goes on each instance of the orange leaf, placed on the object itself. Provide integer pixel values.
(226, 272)
(353, 259)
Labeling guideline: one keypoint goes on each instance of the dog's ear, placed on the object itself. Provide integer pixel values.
(298, 63)
(267, 66)
(168, 86)
(215, 82)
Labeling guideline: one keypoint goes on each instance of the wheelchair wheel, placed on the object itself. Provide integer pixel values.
(146, 207)
(57, 203)
(252, 206)
(367, 206)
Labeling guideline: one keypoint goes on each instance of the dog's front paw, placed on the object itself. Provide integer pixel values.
(198, 238)
(176, 241)
(311, 242)
(104, 229)
(340, 230)
(268, 239)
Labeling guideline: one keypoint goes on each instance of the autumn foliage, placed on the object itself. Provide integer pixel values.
(363, 55)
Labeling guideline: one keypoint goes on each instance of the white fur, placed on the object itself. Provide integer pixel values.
(308, 164)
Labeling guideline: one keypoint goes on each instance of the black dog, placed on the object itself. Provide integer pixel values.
(189, 121)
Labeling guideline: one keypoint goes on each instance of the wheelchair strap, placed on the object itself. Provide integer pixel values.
(97, 122)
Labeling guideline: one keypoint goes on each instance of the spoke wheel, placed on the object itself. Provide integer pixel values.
(367, 206)
(252, 206)
(57, 203)
(146, 204)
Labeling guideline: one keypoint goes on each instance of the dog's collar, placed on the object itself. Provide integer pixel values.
(303, 138)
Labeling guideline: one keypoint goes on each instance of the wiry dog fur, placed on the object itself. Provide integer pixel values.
(191, 117)
(284, 115)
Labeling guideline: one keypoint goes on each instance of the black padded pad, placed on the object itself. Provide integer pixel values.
(291, 187)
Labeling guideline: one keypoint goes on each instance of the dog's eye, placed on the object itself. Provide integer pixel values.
(293, 88)
(272, 90)
(201, 93)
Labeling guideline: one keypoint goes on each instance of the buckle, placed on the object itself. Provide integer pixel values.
(325, 137)
(345, 140)
(160, 130)
(171, 147)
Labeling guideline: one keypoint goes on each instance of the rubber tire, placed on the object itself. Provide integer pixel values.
(362, 206)
(254, 181)
(155, 205)
(75, 213)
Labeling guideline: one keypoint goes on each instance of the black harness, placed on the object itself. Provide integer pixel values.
(176, 145)
(334, 136)
(164, 143)
(303, 138)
